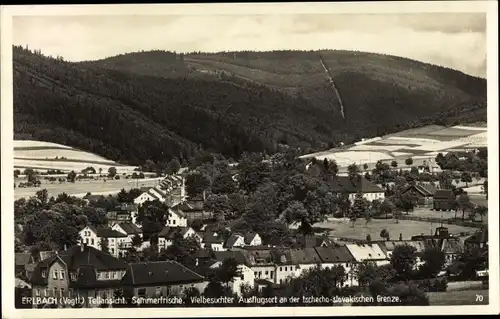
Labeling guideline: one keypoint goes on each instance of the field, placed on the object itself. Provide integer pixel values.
(463, 297)
(422, 143)
(43, 156)
(408, 228)
(80, 188)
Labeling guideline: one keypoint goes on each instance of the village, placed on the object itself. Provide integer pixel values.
(176, 238)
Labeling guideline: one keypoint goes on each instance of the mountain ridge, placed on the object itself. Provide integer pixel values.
(176, 110)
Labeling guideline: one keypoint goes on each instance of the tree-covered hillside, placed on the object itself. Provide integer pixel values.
(158, 105)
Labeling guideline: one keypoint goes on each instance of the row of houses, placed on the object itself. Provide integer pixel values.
(171, 190)
(84, 271)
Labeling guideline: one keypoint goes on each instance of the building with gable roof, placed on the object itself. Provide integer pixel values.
(161, 279)
(92, 236)
(423, 193)
(176, 218)
(368, 252)
(351, 187)
(78, 272)
(167, 235)
(334, 256)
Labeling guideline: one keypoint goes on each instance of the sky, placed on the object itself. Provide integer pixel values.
(454, 40)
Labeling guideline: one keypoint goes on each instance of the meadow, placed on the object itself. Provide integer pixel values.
(342, 228)
(44, 156)
(463, 297)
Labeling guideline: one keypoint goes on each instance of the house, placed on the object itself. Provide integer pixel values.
(176, 218)
(304, 259)
(235, 240)
(312, 241)
(44, 254)
(246, 275)
(120, 214)
(194, 209)
(161, 279)
(21, 261)
(130, 230)
(148, 196)
(339, 256)
(170, 190)
(81, 272)
(92, 237)
(452, 248)
(261, 262)
(212, 240)
(444, 199)
(353, 186)
(167, 235)
(477, 241)
(423, 193)
(368, 252)
(253, 239)
(419, 245)
(89, 198)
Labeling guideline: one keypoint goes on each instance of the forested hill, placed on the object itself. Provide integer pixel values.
(156, 105)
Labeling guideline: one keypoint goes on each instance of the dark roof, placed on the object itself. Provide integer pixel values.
(22, 259)
(249, 237)
(202, 253)
(282, 256)
(177, 211)
(211, 238)
(425, 190)
(346, 184)
(83, 259)
(232, 240)
(130, 228)
(334, 254)
(159, 273)
(255, 257)
(170, 232)
(46, 254)
(304, 256)
(452, 246)
(444, 194)
(93, 197)
(107, 232)
(480, 237)
(237, 255)
(203, 267)
(311, 241)
(190, 206)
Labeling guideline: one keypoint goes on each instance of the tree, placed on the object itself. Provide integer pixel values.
(481, 211)
(71, 177)
(196, 184)
(152, 215)
(220, 206)
(434, 260)
(227, 272)
(353, 172)
(466, 178)
(385, 234)
(387, 207)
(136, 241)
(112, 171)
(182, 250)
(43, 196)
(253, 172)
(394, 164)
(464, 204)
(403, 260)
(31, 175)
(224, 183)
(485, 188)
(17, 173)
(122, 196)
(330, 169)
(409, 161)
(365, 166)
(366, 272)
(104, 245)
(397, 215)
(173, 166)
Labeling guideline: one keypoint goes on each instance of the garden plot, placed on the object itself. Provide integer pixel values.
(380, 148)
(417, 131)
(452, 131)
(37, 144)
(68, 165)
(471, 128)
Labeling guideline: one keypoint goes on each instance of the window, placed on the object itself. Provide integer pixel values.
(272, 274)
(158, 290)
(92, 241)
(106, 275)
(74, 276)
(62, 292)
(260, 274)
(115, 275)
(173, 222)
(141, 292)
(112, 250)
(70, 292)
(37, 292)
(55, 292)
(297, 267)
(61, 274)
(54, 274)
(281, 268)
(267, 272)
(44, 273)
(286, 268)
(255, 274)
(46, 292)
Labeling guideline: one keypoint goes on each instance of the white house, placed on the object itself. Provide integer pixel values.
(167, 235)
(352, 187)
(339, 256)
(176, 218)
(212, 240)
(92, 237)
(130, 230)
(235, 240)
(368, 252)
(253, 239)
(147, 197)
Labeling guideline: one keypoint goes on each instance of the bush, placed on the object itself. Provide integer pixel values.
(433, 285)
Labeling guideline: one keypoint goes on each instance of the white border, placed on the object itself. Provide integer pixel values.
(490, 7)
